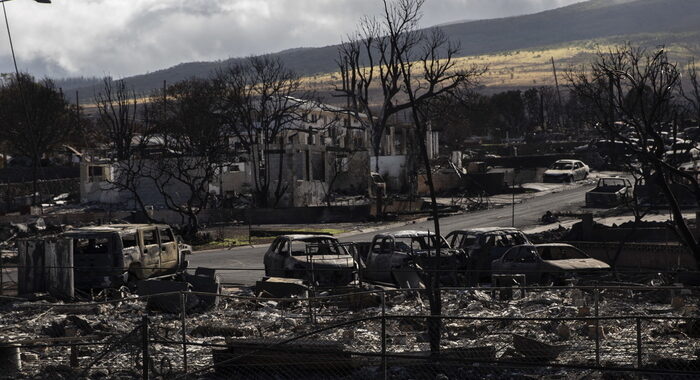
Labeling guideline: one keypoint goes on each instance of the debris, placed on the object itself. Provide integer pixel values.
(279, 287)
(591, 332)
(564, 331)
(583, 311)
(10, 363)
(169, 303)
(254, 356)
(677, 303)
(215, 329)
(205, 281)
(29, 357)
(536, 350)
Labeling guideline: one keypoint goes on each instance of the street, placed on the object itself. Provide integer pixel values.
(244, 265)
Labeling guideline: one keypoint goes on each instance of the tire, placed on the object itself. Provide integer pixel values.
(570, 179)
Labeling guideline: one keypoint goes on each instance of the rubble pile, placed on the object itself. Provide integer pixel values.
(103, 339)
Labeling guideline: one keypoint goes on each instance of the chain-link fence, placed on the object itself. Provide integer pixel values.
(483, 332)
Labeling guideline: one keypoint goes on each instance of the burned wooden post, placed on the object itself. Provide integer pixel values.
(46, 265)
(144, 348)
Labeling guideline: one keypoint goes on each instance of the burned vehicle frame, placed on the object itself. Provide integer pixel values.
(483, 245)
(317, 259)
(114, 255)
(404, 259)
(547, 264)
(609, 192)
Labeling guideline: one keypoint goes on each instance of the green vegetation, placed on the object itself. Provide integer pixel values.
(243, 239)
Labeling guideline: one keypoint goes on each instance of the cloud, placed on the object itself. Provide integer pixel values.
(122, 38)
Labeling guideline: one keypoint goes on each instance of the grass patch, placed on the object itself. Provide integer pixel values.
(243, 240)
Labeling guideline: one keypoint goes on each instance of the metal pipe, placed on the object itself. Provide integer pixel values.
(384, 362)
(184, 332)
(144, 348)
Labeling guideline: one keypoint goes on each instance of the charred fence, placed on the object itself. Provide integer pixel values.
(501, 332)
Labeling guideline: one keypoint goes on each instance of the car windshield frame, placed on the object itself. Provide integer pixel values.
(326, 245)
(545, 252)
(562, 166)
(610, 182)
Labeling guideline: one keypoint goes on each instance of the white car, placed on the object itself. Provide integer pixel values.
(566, 171)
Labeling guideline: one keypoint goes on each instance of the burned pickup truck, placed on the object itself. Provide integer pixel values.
(117, 254)
(316, 259)
(402, 258)
(610, 192)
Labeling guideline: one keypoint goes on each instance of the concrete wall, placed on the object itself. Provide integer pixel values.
(308, 193)
(393, 169)
(443, 182)
(354, 175)
(96, 189)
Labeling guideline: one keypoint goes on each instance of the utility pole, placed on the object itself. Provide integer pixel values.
(559, 105)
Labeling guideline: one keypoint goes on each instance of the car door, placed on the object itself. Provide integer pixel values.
(370, 271)
(169, 256)
(267, 257)
(527, 262)
(280, 256)
(379, 263)
(455, 239)
(150, 251)
(578, 171)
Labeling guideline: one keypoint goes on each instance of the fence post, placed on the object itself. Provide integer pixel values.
(596, 294)
(384, 366)
(2, 283)
(639, 342)
(144, 347)
(184, 332)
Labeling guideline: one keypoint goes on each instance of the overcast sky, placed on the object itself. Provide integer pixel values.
(129, 37)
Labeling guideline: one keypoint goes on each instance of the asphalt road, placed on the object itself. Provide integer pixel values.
(244, 265)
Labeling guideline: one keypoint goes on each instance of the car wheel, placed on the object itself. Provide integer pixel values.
(570, 179)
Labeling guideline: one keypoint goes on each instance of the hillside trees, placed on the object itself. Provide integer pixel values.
(117, 108)
(260, 98)
(35, 119)
(411, 68)
(178, 151)
(634, 96)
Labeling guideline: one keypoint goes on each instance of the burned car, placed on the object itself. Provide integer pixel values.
(610, 192)
(549, 263)
(117, 254)
(316, 259)
(483, 245)
(400, 258)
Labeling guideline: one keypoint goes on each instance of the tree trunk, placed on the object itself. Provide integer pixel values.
(681, 225)
(35, 180)
(434, 294)
(380, 203)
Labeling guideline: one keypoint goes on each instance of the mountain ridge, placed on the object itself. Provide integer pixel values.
(590, 20)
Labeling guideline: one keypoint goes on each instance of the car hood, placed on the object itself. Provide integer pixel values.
(557, 172)
(577, 264)
(326, 261)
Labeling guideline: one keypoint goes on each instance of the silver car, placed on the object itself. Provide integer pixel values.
(566, 171)
(399, 258)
